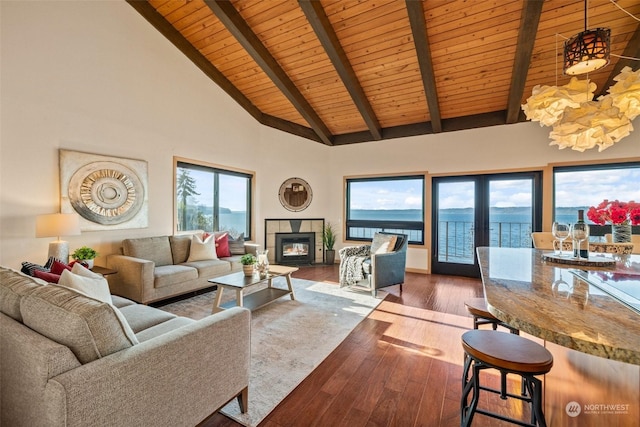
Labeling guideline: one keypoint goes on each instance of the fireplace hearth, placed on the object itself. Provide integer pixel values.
(294, 241)
(295, 248)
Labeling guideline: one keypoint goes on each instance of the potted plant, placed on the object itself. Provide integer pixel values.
(621, 215)
(248, 262)
(329, 239)
(85, 256)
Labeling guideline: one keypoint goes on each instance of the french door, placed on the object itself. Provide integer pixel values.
(499, 210)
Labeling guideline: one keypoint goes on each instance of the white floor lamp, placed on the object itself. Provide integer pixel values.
(57, 225)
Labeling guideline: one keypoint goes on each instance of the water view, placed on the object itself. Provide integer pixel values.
(509, 227)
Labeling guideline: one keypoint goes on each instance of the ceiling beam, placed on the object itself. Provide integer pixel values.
(494, 118)
(421, 41)
(529, 20)
(632, 50)
(289, 127)
(322, 26)
(166, 29)
(237, 26)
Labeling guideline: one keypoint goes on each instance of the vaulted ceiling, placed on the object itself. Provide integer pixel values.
(347, 71)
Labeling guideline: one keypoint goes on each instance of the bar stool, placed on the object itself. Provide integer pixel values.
(508, 354)
(477, 307)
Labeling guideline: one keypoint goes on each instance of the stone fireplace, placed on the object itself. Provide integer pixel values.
(294, 241)
(295, 248)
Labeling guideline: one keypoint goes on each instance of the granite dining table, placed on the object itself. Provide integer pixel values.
(593, 335)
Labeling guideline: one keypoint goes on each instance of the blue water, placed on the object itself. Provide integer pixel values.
(235, 222)
(509, 226)
(515, 214)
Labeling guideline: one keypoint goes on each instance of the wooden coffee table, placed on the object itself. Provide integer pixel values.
(239, 282)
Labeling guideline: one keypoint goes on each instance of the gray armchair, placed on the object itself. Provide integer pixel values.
(375, 266)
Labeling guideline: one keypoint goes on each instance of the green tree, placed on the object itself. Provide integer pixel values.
(186, 187)
(204, 222)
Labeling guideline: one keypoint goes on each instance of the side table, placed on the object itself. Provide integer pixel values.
(103, 270)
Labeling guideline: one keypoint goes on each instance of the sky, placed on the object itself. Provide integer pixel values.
(574, 189)
(234, 199)
(396, 194)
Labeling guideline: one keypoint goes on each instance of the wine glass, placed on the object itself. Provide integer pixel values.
(580, 233)
(560, 231)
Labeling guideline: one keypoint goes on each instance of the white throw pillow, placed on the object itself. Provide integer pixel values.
(383, 243)
(202, 250)
(81, 270)
(87, 283)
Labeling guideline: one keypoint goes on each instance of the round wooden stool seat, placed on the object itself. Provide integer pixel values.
(507, 351)
(508, 354)
(478, 307)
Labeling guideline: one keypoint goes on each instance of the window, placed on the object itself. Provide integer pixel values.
(580, 187)
(212, 199)
(394, 204)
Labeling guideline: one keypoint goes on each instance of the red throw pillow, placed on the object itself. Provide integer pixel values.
(58, 267)
(222, 245)
(46, 276)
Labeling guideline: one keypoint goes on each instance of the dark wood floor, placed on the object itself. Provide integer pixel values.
(401, 366)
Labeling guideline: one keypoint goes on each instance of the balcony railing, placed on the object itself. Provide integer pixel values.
(456, 239)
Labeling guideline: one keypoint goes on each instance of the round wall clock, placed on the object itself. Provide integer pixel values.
(295, 194)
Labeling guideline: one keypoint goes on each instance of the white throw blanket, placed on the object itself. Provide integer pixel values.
(351, 264)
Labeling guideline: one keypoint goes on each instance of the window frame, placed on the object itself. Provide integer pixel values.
(385, 225)
(595, 229)
(216, 169)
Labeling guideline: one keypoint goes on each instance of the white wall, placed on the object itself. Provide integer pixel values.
(96, 77)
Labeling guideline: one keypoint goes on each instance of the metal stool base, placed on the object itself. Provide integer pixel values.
(531, 393)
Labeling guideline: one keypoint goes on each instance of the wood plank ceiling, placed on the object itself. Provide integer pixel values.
(347, 71)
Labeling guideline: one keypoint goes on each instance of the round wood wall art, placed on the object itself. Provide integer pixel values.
(295, 194)
(106, 192)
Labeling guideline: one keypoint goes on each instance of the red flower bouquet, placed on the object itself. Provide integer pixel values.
(615, 212)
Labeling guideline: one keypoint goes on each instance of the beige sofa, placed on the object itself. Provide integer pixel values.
(155, 268)
(70, 360)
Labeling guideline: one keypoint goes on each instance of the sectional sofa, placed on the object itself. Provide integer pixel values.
(67, 359)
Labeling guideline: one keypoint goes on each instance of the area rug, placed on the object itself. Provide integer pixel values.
(289, 339)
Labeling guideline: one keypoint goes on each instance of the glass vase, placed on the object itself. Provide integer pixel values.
(621, 233)
(263, 263)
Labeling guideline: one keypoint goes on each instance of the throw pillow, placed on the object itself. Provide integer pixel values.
(81, 270)
(236, 246)
(46, 276)
(58, 267)
(87, 284)
(202, 250)
(50, 261)
(29, 268)
(383, 243)
(222, 245)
